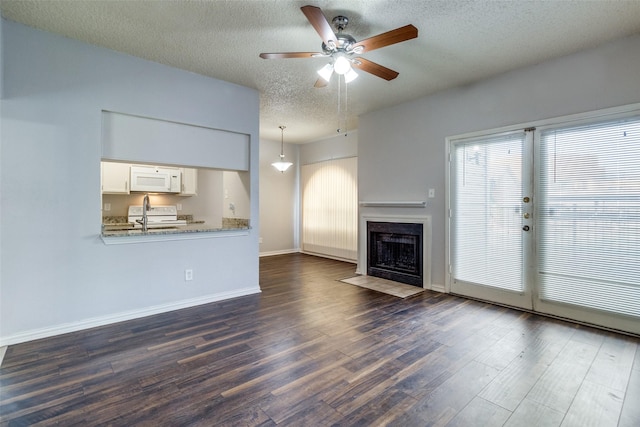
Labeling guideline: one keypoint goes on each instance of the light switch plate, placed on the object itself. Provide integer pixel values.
(432, 193)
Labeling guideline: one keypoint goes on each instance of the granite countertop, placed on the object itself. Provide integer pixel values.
(119, 227)
(189, 228)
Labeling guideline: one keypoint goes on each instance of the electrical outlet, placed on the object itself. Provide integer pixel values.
(188, 274)
(179, 206)
(432, 193)
(260, 240)
(107, 207)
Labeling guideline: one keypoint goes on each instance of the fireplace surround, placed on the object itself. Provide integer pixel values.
(396, 248)
(394, 251)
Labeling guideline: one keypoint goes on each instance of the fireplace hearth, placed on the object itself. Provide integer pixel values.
(394, 251)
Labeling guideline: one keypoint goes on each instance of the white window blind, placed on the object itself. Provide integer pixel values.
(588, 216)
(330, 208)
(487, 246)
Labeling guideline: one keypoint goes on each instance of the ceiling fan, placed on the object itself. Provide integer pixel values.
(343, 48)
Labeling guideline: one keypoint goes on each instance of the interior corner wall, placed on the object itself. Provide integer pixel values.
(336, 147)
(278, 200)
(57, 275)
(407, 141)
(1, 60)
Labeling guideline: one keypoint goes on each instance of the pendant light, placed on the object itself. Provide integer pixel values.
(281, 165)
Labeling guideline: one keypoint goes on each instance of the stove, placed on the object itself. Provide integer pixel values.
(157, 217)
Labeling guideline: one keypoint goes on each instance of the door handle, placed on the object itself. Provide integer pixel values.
(525, 228)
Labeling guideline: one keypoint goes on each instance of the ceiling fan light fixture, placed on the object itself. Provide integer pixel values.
(350, 75)
(341, 65)
(326, 72)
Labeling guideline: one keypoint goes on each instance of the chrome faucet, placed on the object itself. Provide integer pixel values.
(146, 205)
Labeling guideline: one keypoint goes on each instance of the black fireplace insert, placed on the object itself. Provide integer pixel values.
(394, 251)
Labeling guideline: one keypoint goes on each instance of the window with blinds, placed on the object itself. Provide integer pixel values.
(330, 208)
(487, 245)
(588, 216)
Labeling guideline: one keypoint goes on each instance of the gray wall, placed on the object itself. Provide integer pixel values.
(280, 192)
(278, 199)
(401, 153)
(57, 275)
(236, 190)
(337, 147)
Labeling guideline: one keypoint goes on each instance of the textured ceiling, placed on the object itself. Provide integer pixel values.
(459, 42)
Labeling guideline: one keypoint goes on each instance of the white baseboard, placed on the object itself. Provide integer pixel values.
(436, 287)
(351, 261)
(120, 317)
(282, 252)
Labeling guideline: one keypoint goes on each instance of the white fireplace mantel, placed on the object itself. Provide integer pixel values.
(395, 204)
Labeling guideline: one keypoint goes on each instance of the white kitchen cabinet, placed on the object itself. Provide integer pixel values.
(189, 182)
(115, 177)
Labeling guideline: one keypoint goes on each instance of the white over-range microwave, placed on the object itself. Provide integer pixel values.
(154, 179)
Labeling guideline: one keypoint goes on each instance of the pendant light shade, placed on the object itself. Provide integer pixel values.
(350, 75)
(281, 165)
(326, 72)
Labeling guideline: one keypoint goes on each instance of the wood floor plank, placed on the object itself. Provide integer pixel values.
(381, 409)
(594, 406)
(450, 398)
(530, 413)
(285, 402)
(630, 415)
(479, 413)
(613, 363)
(515, 381)
(558, 385)
(312, 351)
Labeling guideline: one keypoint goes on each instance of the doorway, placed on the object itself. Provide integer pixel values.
(548, 219)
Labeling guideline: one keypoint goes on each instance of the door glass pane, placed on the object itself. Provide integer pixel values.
(588, 216)
(487, 245)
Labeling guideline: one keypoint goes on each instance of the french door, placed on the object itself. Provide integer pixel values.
(549, 220)
(490, 218)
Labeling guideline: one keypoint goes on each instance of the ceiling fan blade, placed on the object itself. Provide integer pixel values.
(398, 35)
(375, 69)
(319, 22)
(320, 83)
(291, 55)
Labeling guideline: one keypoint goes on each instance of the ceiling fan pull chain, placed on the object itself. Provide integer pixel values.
(339, 103)
(346, 106)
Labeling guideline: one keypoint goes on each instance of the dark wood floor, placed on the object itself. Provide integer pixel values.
(312, 351)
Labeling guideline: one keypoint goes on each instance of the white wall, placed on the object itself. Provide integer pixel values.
(236, 188)
(210, 193)
(401, 152)
(278, 200)
(57, 275)
(337, 147)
